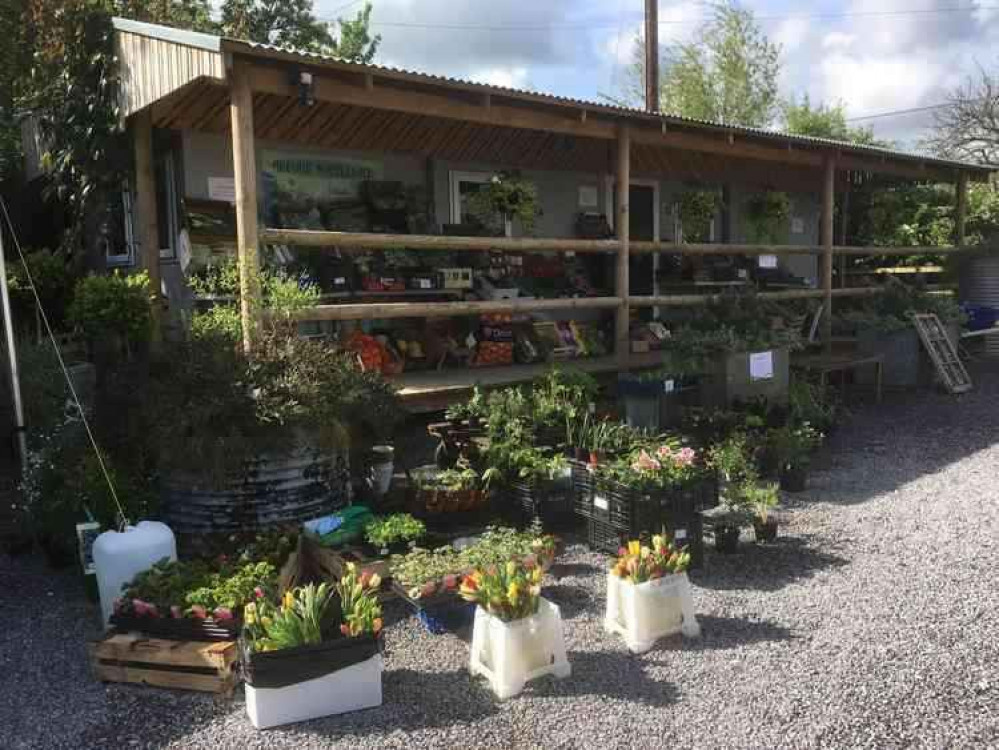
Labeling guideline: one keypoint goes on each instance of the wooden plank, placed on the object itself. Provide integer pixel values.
(245, 172)
(219, 655)
(690, 300)
(145, 193)
(622, 227)
(205, 683)
(370, 241)
(961, 209)
(826, 223)
(384, 310)
(644, 246)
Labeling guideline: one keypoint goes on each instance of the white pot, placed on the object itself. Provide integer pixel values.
(645, 612)
(349, 689)
(382, 469)
(510, 654)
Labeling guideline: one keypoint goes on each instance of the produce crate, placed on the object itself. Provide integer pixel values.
(550, 501)
(177, 629)
(205, 667)
(582, 488)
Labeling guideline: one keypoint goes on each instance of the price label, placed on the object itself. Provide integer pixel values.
(601, 502)
(668, 386)
(424, 283)
(680, 535)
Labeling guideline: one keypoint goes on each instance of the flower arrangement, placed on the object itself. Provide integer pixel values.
(654, 467)
(639, 563)
(359, 605)
(508, 592)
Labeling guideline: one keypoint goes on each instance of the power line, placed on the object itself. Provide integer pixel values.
(612, 24)
(895, 112)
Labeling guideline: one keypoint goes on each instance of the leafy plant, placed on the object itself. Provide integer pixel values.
(54, 282)
(360, 610)
(667, 466)
(509, 592)
(761, 498)
(506, 196)
(892, 308)
(113, 305)
(766, 217)
(732, 459)
(298, 621)
(809, 402)
(697, 209)
(793, 445)
(399, 527)
(638, 563)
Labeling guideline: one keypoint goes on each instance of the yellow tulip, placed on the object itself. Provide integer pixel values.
(289, 600)
(634, 547)
(375, 581)
(511, 569)
(657, 541)
(513, 592)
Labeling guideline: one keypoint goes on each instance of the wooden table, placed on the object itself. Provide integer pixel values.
(824, 364)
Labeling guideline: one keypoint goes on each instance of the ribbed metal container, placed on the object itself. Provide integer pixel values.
(979, 285)
(276, 490)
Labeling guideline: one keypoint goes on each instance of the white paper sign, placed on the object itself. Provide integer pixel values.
(768, 261)
(587, 196)
(761, 366)
(668, 386)
(601, 502)
(222, 189)
(797, 225)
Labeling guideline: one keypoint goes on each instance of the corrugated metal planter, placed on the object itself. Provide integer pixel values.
(729, 380)
(979, 285)
(275, 490)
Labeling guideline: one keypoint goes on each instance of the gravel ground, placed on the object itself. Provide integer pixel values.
(873, 622)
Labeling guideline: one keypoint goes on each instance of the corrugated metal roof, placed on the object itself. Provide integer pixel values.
(214, 43)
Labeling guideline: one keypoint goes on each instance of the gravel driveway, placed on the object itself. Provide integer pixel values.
(874, 622)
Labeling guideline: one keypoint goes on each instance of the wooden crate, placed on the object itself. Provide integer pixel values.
(181, 665)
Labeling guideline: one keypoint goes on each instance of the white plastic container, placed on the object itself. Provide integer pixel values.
(119, 557)
(349, 689)
(645, 612)
(510, 654)
(382, 468)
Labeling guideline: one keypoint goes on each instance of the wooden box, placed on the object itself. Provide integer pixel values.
(180, 665)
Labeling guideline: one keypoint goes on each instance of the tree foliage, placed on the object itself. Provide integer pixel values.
(824, 121)
(727, 73)
(968, 128)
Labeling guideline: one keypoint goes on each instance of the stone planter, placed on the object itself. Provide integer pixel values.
(511, 654)
(645, 612)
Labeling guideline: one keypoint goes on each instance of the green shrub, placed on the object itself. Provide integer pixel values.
(115, 305)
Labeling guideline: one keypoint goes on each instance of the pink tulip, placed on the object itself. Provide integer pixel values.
(223, 613)
(176, 612)
(258, 592)
(664, 452)
(450, 581)
(198, 611)
(429, 588)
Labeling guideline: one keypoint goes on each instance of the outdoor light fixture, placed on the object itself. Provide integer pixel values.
(306, 89)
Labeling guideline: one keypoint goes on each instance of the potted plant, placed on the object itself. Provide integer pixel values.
(316, 653)
(767, 217)
(695, 210)
(541, 486)
(648, 594)
(395, 533)
(517, 635)
(506, 197)
(763, 499)
(451, 490)
(792, 445)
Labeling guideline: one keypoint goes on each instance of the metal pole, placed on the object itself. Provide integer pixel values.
(15, 378)
(652, 55)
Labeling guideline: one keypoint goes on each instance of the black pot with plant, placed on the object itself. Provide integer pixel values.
(794, 478)
(762, 500)
(792, 445)
(726, 538)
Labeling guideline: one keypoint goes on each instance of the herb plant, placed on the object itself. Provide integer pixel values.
(399, 527)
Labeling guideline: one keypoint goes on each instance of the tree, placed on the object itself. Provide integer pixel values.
(824, 121)
(728, 74)
(968, 127)
(13, 68)
(292, 23)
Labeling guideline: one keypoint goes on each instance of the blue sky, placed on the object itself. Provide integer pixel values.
(873, 56)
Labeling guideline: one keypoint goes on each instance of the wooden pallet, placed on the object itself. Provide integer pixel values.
(180, 665)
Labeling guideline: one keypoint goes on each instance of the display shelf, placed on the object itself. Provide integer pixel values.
(428, 391)
(386, 310)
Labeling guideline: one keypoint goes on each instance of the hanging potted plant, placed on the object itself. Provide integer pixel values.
(316, 653)
(695, 210)
(767, 217)
(505, 198)
(648, 594)
(763, 499)
(517, 635)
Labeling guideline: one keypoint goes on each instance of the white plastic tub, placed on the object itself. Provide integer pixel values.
(349, 689)
(646, 612)
(120, 556)
(510, 654)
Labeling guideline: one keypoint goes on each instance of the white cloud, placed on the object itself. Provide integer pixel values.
(838, 40)
(511, 78)
(791, 33)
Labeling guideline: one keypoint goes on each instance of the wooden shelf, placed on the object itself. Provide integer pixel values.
(372, 241)
(433, 390)
(384, 310)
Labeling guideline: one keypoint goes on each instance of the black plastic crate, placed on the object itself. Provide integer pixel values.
(582, 488)
(550, 501)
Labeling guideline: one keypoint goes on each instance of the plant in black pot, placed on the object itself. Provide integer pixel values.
(394, 534)
(315, 653)
(763, 499)
(792, 445)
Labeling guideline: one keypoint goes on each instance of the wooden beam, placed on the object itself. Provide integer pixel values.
(362, 240)
(245, 172)
(384, 310)
(328, 89)
(652, 55)
(622, 226)
(145, 193)
(692, 300)
(828, 205)
(961, 209)
(642, 246)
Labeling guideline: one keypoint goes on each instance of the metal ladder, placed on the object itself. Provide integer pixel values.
(942, 352)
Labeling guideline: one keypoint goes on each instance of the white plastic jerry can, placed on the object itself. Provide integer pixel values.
(510, 654)
(645, 612)
(119, 557)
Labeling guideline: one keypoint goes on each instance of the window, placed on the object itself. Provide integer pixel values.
(166, 206)
(118, 240)
(464, 184)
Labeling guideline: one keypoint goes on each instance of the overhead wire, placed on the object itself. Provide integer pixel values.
(62, 364)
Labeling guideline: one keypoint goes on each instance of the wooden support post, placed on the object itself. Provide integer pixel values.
(145, 194)
(828, 203)
(622, 218)
(245, 171)
(961, 209)
(844, 228)
(652, 55)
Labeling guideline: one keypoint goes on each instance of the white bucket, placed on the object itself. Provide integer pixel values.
(382, 468)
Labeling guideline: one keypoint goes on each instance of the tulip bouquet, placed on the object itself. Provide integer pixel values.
(509, 591)
(639, 563)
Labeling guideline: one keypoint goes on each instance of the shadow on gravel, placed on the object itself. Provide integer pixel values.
(609, 674)
(418, 700)
(720, 633)
(568, 570)
(572, 600)
(764, 567)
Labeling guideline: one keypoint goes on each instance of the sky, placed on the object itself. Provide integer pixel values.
(874, 57)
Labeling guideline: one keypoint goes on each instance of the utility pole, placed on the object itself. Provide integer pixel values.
(652, 55)
(15, 378)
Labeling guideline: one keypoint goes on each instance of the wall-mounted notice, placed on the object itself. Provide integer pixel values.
(761, 366)
(768, 261)
(797, 225)
(587, 196)
(222, 189)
